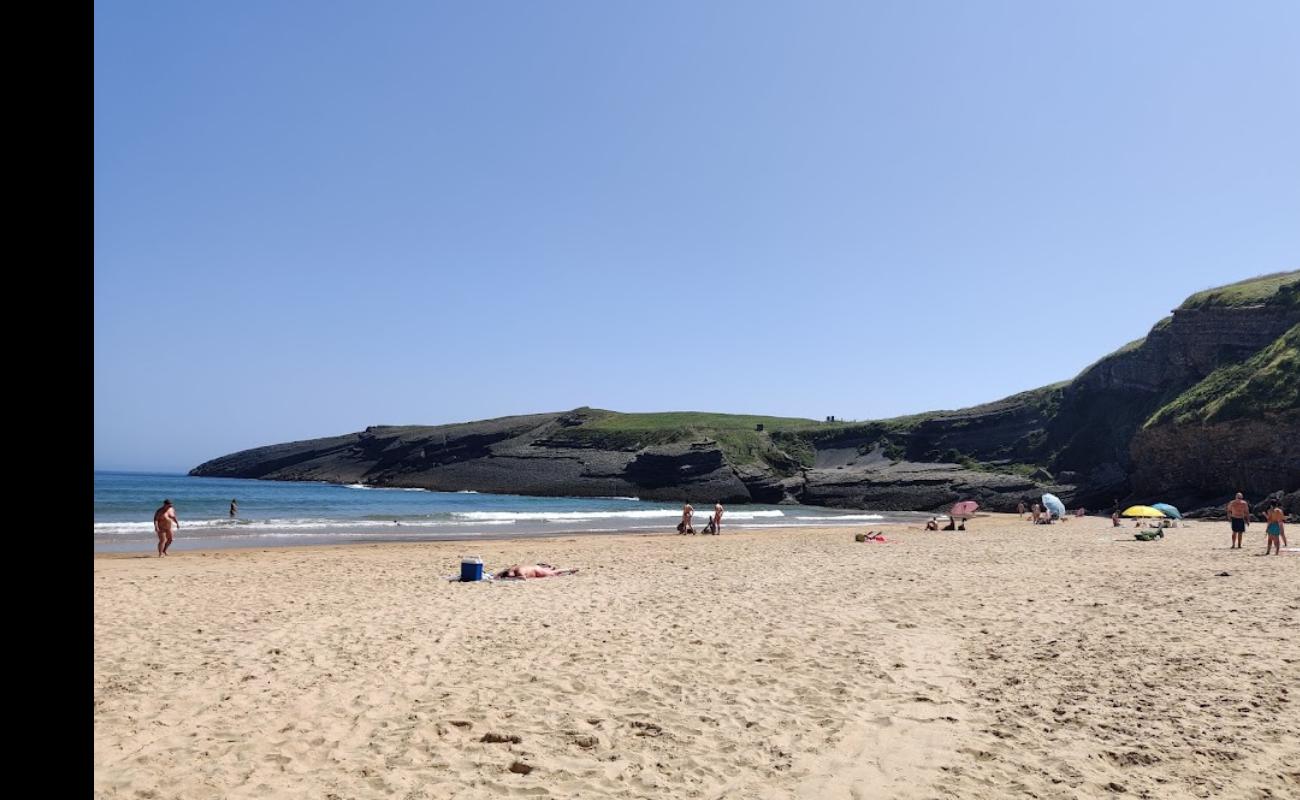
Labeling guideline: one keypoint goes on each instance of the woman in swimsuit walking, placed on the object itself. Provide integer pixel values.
(1276, 529)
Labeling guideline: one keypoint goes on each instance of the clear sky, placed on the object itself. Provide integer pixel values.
(311, 217)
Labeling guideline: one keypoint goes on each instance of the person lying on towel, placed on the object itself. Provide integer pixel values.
(533, 571)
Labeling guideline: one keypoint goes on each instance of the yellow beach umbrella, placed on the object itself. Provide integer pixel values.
(1142, 511)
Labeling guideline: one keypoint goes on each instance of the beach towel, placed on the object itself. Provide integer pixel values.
(487, 576)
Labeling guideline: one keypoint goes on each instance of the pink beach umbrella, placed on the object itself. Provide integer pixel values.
(964, 510)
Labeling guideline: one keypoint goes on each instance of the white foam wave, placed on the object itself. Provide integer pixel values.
(147, 527)
(259, 527)
(384, 488)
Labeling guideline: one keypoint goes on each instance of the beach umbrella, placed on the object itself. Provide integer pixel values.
(963, 510)
(1053, 504)
(1142, 511)
(1167, 510)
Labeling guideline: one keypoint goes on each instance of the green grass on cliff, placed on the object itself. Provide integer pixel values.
(1266, 383)
(784, 444)
(696, 420)
(736, 434)
(1278, 288)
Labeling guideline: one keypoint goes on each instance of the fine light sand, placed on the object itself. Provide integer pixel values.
(1006, 661)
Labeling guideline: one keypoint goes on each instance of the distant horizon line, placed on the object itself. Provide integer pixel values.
(142, 472)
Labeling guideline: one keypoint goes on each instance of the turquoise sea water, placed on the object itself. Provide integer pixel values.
(292, 513)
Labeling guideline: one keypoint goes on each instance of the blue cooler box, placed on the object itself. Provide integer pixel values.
(471, 569)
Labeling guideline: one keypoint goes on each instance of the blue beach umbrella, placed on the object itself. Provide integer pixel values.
(1168, 510)
(1053, 504)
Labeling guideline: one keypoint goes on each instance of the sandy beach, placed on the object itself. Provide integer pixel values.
(1011, 660)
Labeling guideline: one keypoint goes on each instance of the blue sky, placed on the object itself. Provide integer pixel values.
(313, 217)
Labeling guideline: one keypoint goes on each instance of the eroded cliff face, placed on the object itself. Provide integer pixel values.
(1085, 437)
(1102, 410)
(512, 455)
(1211, 462)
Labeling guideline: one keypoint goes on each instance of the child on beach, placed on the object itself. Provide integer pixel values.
(1275, 530)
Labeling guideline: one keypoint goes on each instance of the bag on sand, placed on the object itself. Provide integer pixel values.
(681, 527)
(711, 528)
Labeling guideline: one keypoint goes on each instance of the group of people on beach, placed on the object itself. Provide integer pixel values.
(714, 525)
(1274, 530)
(1043, 516)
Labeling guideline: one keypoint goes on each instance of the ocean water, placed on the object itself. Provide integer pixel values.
(278, 513)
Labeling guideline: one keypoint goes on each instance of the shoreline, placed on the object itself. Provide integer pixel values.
(280, 540)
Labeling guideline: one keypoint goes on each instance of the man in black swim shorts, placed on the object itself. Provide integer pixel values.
(1239, 516)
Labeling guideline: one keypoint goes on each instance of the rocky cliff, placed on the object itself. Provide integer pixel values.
(1147, 422)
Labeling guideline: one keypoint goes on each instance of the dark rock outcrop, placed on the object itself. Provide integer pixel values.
(921, 487)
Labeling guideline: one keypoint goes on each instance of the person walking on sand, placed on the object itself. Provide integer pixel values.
(684, 526)
(717, 518)
(234, 508)
(165, 525)
(1239, 516)
(1020, 509)
(1276, 530)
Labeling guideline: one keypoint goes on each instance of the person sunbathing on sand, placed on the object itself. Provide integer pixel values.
(933, 524)
(533, 571)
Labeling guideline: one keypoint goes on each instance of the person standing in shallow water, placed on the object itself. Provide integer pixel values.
(234, 509)
(165, 525)
(1239, 517)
